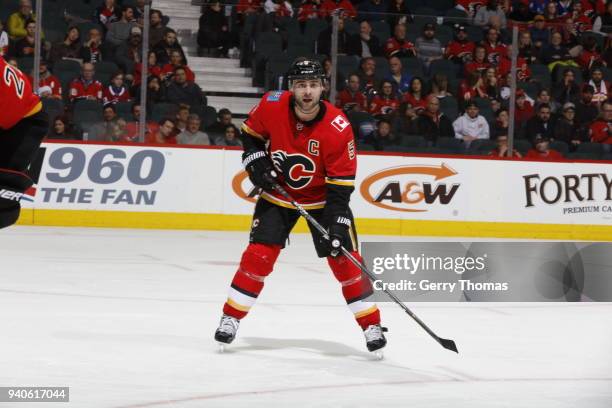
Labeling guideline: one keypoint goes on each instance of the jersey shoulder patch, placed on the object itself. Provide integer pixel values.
(274, 96)
(340, 123)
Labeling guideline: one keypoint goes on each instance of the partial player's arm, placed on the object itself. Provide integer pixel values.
(255, 158)
(341, 166)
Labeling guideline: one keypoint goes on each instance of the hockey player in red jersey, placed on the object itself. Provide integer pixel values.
(23, 125)
(307, 146)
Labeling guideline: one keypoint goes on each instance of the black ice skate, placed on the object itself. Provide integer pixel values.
(226, 332)
(375, 338)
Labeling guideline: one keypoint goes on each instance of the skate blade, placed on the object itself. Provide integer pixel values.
(378, 355)
(222, 347)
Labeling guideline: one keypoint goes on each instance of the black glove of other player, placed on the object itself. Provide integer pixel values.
(338, 231)
(260, 168)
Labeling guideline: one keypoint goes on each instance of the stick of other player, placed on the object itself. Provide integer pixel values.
(446, 343)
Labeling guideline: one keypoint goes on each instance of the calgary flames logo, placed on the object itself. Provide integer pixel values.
(297, 169)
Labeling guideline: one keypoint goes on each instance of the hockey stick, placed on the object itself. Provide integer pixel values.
(446, 343)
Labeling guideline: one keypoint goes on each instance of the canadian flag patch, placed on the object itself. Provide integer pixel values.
(340, 123)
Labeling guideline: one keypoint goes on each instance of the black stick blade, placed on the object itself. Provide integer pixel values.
(448, 344)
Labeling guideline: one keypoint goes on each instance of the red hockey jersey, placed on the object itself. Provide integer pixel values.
(307, 156)
(17, 100)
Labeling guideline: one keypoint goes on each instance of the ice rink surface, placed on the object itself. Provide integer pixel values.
(125, 318)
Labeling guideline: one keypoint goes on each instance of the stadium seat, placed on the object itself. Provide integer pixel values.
(382, 67)
(560, 146)
(474, 33)
(413, 67)
(160, 111)
(365, 147)
(299, 45)
(444, 66)
(313, 28)
(451, 144)
(67, 65)
(290, 25)
(441, 6)
(381, 30)
(424, 15)
(594, 149)
(541, 73)
(522, 146)
(455, 16)
(444, 34)
(482, 146)
(208, 116)
(351, 27)
(53, 108)
(399, 148)
(412, 140)
(124, 110)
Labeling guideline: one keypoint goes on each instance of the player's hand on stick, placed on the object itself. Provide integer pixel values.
(338, 231)
(260, 168)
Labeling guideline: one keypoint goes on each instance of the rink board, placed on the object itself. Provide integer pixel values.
(145, 186)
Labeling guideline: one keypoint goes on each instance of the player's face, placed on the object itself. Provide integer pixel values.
(307, 94)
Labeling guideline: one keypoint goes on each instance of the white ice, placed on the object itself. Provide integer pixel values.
(125, 318)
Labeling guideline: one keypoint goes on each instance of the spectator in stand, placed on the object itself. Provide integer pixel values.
(601, 86)
(308, 10)
(397, 76)
(4, 41)
(433, 124)
(439, 86)
(116, 91)
(404, 119)
(603, 22)
(398, 13)
(230, 137)
(428, 47)
(372, 10)
(551, 14)
(132, 128)
(367, 68)
(165, 133)
(415, 96)
(224, 119)
(527, 50)
(153, 68)
(176, 61)
(472, 87)
(86, 87)
(504, 65)
(344, 7)
(247, 8)
(545, 97)
(351, 98)
(385, 102)
(600, 131)
(103, 131)
(278, 8)
(70, 47)
(478, 63)
(129, 54)
(541, 150)
(192, 135)
(398, 45)
(501, 151)
(180, 121)
(119, 31)
(328, 71)
(490, 87)
(16, 23)
(24, 47)
(461, 49)
(213, 32)
(495, 49)
(182, 91)
(486, 14)
(521, 13)
(166, 46)
(107, 14)
(471, 125)
(119, 131)
(92, 49)
(49, 82)
(470, 6)
(63, 130)
(502, 122)
(523, 110)
(383, 136)
(586, 110)
(567, 129)
(556, 53)
(324, 39)
(567, 90)
(365, 44)
(538, 6)
(540, 34)
(540, 124)
(590, 56)
(156, 93)
(157, 29)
